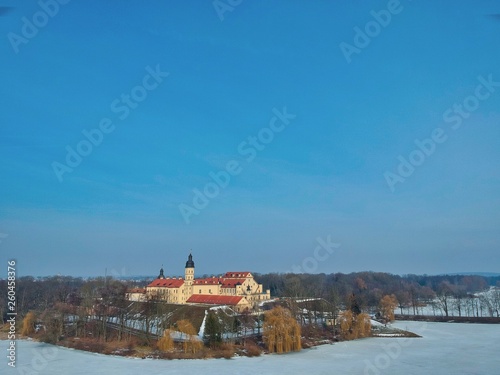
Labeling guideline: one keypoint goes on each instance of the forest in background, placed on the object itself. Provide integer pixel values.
(94, 314)
(367, 288)
(410, 291)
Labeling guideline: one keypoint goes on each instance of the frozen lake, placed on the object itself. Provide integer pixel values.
(446, 348)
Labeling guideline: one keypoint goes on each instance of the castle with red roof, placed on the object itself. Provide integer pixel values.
(236, 289)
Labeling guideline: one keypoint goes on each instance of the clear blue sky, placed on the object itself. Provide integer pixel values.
(323, 175)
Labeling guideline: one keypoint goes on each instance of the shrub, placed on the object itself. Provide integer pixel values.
(192, 344)
(166, 343)
(28, 324)
(89, 345)
(252, 349)
(225, 350)
(48, 337)
(354, 326)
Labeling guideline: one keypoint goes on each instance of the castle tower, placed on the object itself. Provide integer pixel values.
(161, 276)
(189, 276)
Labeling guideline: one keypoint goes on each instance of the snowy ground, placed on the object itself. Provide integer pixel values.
(485, 305)
(445, 348)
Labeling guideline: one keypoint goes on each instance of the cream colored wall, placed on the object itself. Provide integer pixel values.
(255, 295)
(189, 275)
(207, 289)
(242, 305)
(188, 283)
(180, 295)
(170, 295)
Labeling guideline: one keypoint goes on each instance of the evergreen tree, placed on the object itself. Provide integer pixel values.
(213, 329)
(354, 305)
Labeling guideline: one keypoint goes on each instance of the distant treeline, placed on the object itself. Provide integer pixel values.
(369, 287)
(366, 288)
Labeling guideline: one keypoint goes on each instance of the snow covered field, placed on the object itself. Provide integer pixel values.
(484, 304)
(446, 348)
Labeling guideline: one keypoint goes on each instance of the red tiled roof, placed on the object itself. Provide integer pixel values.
(231, 283)
(167, 283)
(236, 274)
(214, 300)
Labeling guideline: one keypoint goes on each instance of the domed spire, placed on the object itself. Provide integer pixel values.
(190, 263)
(161, 276)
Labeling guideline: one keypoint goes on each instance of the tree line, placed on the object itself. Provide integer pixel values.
(445, 292)
(40, 294)
(307, 306)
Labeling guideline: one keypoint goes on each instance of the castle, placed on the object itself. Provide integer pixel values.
(238, 290)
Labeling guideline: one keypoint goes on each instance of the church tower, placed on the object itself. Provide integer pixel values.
(161, 276)
(189, 276)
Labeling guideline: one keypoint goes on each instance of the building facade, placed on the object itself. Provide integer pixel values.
(237, 289)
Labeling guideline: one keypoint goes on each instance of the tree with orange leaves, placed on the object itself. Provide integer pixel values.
(166, 343)
(354, 326)
(387, 306)
(281, 331)
(191, 343)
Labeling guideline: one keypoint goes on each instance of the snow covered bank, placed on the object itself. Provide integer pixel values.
(443, 349)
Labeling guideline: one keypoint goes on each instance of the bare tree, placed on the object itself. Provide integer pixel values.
(495, 300)
(444, 295)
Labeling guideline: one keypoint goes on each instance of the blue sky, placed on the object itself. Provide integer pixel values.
(323, 176)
